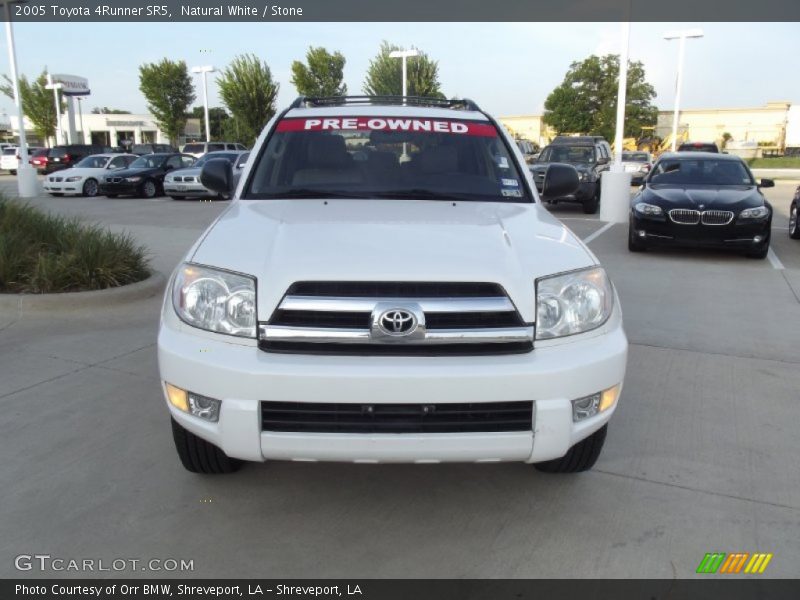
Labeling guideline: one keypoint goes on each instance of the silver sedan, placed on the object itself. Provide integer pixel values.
(185, 183)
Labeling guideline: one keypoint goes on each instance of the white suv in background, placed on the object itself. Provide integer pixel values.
(387, 287)
(198, 149)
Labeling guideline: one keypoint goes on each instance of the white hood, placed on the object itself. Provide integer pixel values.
(283, 241)
(83, 173)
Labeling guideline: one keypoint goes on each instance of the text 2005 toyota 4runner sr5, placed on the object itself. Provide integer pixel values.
(387, 287)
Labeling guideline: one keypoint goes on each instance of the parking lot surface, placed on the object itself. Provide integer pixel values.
(701, 455)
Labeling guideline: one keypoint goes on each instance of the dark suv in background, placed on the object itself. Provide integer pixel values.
(64, 157)
(590, 155)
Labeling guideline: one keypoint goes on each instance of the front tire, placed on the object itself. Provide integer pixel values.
(149, 189)
(200, 456)
(90, 188)
(590, 206)
(794, 227)
(581, 457)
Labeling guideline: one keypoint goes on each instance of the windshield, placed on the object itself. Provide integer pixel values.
(700, 172)
(142, 149)
(229, 156)
(635, 156)
(9, 151)
(386, 157)
(151, 161)
(567, 154)
(93, 162)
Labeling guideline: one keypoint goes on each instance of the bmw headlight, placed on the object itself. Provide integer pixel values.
(572, 303)
(72, 179)
(651, 210)
(215, 300)
(759, 212)
(584, 176)
(133, 179)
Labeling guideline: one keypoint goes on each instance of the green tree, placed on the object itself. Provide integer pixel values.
(167, 87)
(217, 116)
(37, 102)
(586, 101)
(385, 75)
(248, 91)
(321, 76)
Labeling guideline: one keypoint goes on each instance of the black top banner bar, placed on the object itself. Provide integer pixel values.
(256, 11)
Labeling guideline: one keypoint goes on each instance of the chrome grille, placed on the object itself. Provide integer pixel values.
(716, 217)
(344, 318)
(684, 216)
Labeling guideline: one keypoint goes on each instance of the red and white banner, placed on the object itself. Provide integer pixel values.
(388, 124)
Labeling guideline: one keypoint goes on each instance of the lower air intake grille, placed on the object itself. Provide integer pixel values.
(312, 417)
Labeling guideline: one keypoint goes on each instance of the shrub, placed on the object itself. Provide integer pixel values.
(43, 253)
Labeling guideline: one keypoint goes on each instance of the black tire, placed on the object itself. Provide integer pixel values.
(590, 206)
(634, 244)
(581, 457)
(200, 456)
(178, 197)
(90, 188)
(794, 226)
(111, 195)
(148, 189)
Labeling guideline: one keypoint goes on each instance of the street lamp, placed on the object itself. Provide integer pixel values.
(27, 184)
(55, 87)
(205, 70)
(404, 54)
(682, 36)
(80, 112)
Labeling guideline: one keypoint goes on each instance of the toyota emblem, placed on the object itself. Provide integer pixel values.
(397, 322)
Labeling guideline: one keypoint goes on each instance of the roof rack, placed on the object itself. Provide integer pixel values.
(463, 103)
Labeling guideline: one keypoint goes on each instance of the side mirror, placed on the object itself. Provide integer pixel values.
(767, 183)
(602, 160)
(559, 181)
(217, 175)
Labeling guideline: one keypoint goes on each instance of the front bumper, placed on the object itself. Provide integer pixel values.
(242, 376)
(70, 187)
(190, 190)
(119, 189)
(734, 235)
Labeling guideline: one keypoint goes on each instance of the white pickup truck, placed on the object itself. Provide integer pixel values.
(387, 287)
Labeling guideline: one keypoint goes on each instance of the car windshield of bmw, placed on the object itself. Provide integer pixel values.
(229, 156)
(386, 158)
(703, 171)
(150, 161)
(93, 162)
(567, 154)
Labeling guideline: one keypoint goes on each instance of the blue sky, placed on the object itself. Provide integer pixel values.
(508, 68)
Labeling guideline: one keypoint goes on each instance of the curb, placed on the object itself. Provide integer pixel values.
(93, 299)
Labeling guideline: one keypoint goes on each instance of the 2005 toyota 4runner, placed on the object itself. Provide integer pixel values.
(387, 287)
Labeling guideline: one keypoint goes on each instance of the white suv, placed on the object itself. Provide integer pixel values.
(387, 287)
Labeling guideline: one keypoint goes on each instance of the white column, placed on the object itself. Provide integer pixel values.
(205, 106)
(73, 133)
(678, 86)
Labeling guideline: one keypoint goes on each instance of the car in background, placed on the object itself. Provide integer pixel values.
(701, 200)
(9, 161)
(590, 157)
(38, 158)
(529, 150)
(794, 228)
(144, 177)
(198, 149)
(638, 164)
(185, 183)
(66, 156)
(698, 147)
(142, 149)
(84, 178)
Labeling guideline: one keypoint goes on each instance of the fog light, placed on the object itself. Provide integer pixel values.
(757, 239)
(585, 407)
(642, 234)
(177, 397)
(204, 407)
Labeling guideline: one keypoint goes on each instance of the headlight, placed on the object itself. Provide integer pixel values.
(71, 179)
(133, 179)
(572, 303)
(643, 208)
(754, 213)
(215, 300)
(168, 180)
(584, 176)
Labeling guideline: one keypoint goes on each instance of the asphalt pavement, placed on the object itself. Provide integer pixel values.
(701, 455)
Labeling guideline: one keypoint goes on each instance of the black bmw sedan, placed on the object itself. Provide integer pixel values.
(144, 177)
(701, 199)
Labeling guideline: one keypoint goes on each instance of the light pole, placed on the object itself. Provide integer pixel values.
(405, 55)
(205, 70)
(27, 184)
(682, 36)
(55, 87)
(80, 113)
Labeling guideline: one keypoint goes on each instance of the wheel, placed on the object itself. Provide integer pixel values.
(590, 206)
(178, 197)
(200, 456)
(90, 188)
(761, 251)
(794, 228)
(149, 189)
(634, 244)
(111, 195)
(581, 457)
